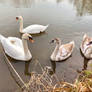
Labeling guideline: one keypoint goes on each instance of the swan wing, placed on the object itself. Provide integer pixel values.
(65, 50)
(34, 29)
(85, 42)
(15, 41)
(13, 50)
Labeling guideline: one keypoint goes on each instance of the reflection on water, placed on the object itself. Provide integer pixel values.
(83, 7)
(12, 75)
(53, 66)
(89, 66)
(85, 63)
(17, 3)
(25, 3)
(26, 71)
(27, 65)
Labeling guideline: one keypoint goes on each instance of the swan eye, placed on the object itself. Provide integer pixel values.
(17, 18)
(89, 43)
(30, 38)
(52, 41)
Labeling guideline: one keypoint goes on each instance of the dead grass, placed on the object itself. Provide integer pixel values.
(44, 82)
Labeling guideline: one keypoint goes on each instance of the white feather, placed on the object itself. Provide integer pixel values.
(14, 48)
(34, 29)
(85, 48)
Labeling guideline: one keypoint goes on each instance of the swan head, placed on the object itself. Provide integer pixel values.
(55, 40)
(19, 18)
(89, 43)
(27, 36)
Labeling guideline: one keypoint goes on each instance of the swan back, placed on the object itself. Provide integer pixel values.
(66, 50)
(85, 42)
(85, 47)
(14, 50)
(33, 29)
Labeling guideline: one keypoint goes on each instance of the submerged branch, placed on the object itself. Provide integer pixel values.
(14, 69)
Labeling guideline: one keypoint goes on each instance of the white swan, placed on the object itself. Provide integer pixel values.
(86, 46)
(17, 48)
(61, 52)
(32, 29)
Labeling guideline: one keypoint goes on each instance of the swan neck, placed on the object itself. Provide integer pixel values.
(56, 50)
(25, 46)
(59, 44)
(21, 25)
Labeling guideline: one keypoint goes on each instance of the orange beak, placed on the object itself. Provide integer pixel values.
(31, 40)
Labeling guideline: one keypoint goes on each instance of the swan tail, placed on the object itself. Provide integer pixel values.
(1, 37)
(73, 43)
(85, 36)
(45, 27)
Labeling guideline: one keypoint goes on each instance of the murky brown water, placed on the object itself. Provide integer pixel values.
(68, 19)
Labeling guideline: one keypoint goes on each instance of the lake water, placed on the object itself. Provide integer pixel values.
(68, 19)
